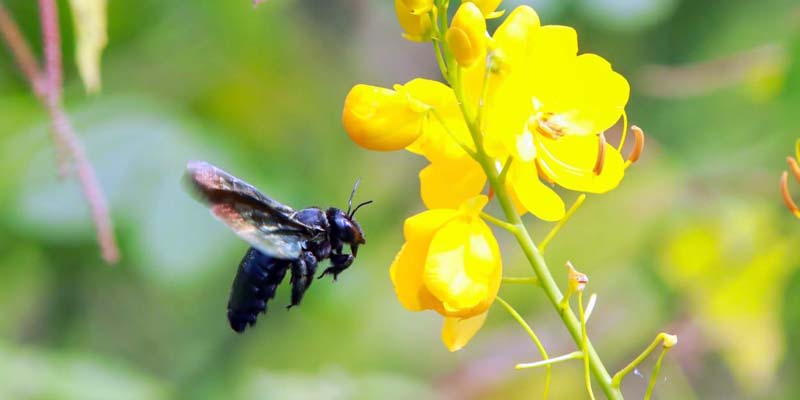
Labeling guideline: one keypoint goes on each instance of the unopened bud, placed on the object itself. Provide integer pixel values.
(467, 34)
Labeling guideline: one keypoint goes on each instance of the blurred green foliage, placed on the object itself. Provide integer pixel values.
(694, 242)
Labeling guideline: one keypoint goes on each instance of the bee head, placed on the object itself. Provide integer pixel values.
(344, 226)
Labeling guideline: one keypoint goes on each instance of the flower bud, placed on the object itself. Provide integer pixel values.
(669, 341)
(577, 279)
(467, 34)
(416, 27)
(382, 119)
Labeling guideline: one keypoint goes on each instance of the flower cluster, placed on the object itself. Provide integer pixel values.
(521, 109)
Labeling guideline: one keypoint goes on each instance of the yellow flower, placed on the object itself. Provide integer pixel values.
(488, 7)
(384, 119)
(449, 263)
(416, 24)
(546, 106)
(467, 34)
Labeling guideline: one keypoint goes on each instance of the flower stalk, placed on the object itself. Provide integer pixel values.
(526, 243)
(542, 272)
(539, 345)
(665, 339)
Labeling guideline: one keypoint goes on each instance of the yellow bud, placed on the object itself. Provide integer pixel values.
(382, 119)
(467, 34)
(577, 279)
(670, 341)
(487, 7)
(416, 27)
(418, 7)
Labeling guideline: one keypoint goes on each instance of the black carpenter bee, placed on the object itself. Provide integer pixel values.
(280, 237)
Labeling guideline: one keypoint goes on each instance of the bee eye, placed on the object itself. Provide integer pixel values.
(345, 229)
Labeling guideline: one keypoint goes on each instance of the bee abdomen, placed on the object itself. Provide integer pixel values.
(255, 283)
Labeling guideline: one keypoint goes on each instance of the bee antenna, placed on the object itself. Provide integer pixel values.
(353, 193)
(359, 206)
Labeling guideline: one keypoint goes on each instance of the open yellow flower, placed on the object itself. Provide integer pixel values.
(545, 106)
(450, 263)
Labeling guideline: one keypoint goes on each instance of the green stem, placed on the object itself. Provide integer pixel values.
(535, 339)
(654, 376)
(499, 222)
(560, 224)
(566, 357)
(437, 46)
(535, 258)
(530, 280)
(584, 344)
(617, 381)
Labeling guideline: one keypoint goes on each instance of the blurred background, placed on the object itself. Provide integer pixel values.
(696, 240)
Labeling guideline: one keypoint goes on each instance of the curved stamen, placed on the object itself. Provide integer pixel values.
(601, 155)
(794, 167)
(787, 197)
(638, 146)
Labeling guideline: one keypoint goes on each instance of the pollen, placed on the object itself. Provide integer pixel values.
(547, 125)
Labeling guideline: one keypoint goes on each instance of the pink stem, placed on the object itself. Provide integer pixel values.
(19, 47)
(48, 14)
(89, 183)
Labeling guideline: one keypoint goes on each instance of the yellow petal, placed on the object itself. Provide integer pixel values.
(416, 27)
(585, 96)
(569, 161)
(467, 34)
(417, 7)
(463, 267)
(89, 18)
(434, 94)
(406, 274)
(447, 184)
(381, 119)
(423, 226)
(536, 197)
(514, 35)
(507, 102)
(436, 142)
(457, 332)
(487, 7)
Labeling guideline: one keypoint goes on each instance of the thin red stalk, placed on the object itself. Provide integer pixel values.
(29, 66)
(48, 14)
(89, 183)
(48, 89)
(19, 47)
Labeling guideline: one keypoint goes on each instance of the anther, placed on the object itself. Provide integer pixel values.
(787, 197)
(794, 167)
(638, 146)
(601, 155)
(549, 128)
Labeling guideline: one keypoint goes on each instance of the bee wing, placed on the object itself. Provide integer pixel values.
(263, 222)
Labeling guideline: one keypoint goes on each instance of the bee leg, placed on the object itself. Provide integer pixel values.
(339, 263)
(303, 270)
